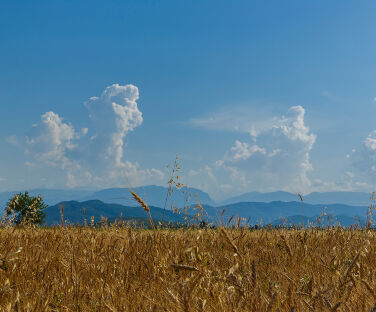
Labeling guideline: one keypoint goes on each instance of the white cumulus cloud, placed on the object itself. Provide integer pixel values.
(370, 141)
(114, 114)
(97, 159)
(279, 160)
(242, 151)
(51, 140)
(363, 162)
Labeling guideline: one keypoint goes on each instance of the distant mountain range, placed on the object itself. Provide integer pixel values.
(348, 198)
(265, 207)
(75, 212)
(154, 195)
(260, 212)
(261, 197)
(274, 213)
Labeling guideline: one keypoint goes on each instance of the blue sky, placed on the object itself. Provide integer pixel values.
(252, 95)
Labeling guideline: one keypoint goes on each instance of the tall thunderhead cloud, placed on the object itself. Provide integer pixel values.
(114, 114)
(95, 156)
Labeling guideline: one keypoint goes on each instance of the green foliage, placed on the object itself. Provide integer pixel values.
(25, 209)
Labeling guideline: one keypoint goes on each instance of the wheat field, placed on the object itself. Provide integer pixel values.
(124, 269)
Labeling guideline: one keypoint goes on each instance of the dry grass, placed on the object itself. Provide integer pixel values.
(124, 269)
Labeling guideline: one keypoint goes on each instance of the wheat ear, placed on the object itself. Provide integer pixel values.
(144, 206)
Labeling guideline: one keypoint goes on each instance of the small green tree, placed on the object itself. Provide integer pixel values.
(26, 209)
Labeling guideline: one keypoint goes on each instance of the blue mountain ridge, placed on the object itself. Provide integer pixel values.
(257, 213)
(154, 195)
(76, 212)
(348, 198)
(264, 213)
(259, 207)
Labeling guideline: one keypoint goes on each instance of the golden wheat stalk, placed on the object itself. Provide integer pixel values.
(140, 201)
(144, 206)
(229, 240)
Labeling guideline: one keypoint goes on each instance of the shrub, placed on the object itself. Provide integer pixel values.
(25, 209)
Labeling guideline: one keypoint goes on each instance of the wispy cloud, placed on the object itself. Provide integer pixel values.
(251, 120)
